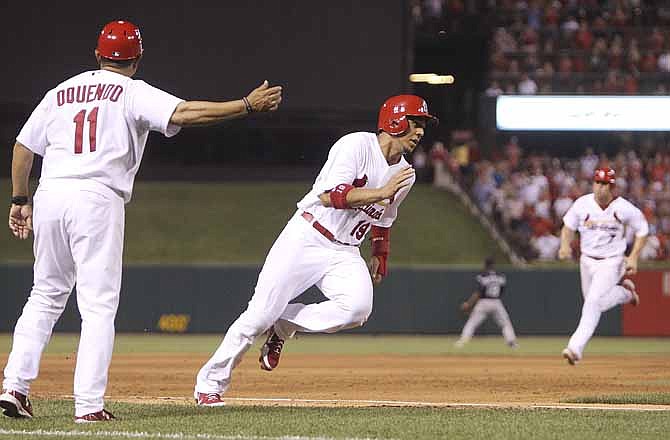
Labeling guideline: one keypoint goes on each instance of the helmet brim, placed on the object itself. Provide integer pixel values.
(430, 119)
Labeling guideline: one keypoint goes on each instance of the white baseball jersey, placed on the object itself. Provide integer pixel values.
(602, 231)
(355, 159)
(304, 256)
(95, 126)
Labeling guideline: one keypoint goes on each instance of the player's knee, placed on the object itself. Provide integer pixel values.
(358, 313)
(253, 323)
(602, 305)
(46, 302)
(256, 327)
(590, 304)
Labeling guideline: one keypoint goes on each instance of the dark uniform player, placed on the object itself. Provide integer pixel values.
(486, 301)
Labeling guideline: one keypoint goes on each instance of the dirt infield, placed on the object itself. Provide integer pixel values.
(333, 379)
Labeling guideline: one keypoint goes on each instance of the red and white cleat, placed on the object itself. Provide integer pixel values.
(15, 404)
(209, 399)
(271, 351)
(100, 416)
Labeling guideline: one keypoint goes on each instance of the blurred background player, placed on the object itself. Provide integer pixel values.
(601, 219)
(359, 189)
(91, 130)
(486, 301)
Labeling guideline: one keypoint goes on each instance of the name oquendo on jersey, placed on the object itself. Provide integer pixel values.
(95, 126)
(355, 159)
(602, 231)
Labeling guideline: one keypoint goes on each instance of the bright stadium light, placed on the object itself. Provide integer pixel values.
(583, 113)
(421, 77)
(441, 79)
(431, 78)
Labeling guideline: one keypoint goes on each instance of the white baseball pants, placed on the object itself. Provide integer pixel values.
(484, 308)
(300, 258)
(78, 228)
(601, 293)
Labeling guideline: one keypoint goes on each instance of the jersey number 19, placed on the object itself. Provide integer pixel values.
(359, 229)
(79, 129)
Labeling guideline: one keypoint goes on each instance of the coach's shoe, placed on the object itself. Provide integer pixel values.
(630, 285)
(570, 356)
(15, 404)
(209, 399)
(271, 351)
(101, 416)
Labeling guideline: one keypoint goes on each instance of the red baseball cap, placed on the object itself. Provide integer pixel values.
(120, 40)
(604, 175)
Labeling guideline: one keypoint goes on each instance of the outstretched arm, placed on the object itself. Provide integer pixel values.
(194, 113)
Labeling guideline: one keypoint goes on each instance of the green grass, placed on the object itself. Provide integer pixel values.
(237, 422)
(228, 223)
(368, 344)
(626, 399)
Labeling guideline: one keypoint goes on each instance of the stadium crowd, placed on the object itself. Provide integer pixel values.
(608, 47)
(527, 194)
(590, 47)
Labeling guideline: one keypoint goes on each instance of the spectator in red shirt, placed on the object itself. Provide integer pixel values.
(648, 62)
(619, 19)
(657, 168)
(584, 37)
(630, 86)
(616, 55)
(564, 64)
(656, 41)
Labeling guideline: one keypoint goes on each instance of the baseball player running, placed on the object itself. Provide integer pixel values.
(91, 130)
(601, 220)
(486, 301)
(358, 190)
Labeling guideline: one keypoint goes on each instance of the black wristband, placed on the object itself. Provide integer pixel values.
(19, 200)
(247, 105)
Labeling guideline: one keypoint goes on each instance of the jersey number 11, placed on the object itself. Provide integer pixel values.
(79, 129)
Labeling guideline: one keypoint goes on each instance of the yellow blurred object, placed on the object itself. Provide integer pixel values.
(461, 154)
(432, 78)
(441, 79)
(421, 77)
(174, 323)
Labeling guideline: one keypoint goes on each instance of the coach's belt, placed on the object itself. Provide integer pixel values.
(597, 258)
(322, 230)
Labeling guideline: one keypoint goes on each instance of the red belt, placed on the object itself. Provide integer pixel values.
(322, 229)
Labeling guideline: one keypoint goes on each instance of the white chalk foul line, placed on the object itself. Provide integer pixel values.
(401, 403)
(601, 408)
(153, 435)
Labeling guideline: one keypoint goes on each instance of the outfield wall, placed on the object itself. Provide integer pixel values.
(206, 299)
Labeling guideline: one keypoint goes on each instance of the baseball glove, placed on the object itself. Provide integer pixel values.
(466, 307)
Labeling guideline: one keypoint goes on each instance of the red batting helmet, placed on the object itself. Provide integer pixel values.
(604, 175)
(392, 115)
(120, 40)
